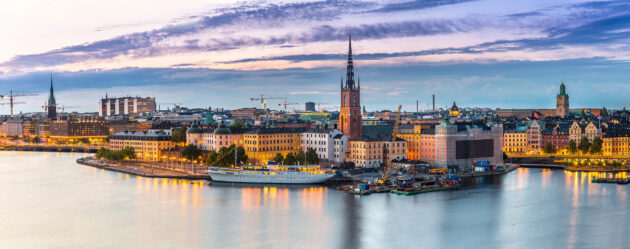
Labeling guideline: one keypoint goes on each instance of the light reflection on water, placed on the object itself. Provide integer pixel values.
(49, 201)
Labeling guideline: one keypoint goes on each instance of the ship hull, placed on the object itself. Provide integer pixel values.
(278, 178)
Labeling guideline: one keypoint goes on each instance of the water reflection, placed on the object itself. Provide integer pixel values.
(528, 208)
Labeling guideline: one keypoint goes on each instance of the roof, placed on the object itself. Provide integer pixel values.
(154, 136)
(261, 131)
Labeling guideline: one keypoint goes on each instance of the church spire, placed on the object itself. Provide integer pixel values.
(350, 67)
(51, 97)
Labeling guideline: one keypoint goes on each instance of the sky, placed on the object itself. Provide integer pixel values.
(480, 53)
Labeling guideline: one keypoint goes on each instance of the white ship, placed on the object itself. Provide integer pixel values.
(276, 174)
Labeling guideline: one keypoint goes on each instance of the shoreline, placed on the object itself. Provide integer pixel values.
(86, 161)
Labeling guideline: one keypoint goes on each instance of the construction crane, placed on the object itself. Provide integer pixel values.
(63, 107)
(11, 96)
(389, 153)
(319, 104)
(263, 100)
(285, 104)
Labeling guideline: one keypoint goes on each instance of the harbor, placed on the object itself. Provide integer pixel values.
(196, 213)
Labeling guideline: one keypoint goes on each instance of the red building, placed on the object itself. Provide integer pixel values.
(557, 136)
(350, 119)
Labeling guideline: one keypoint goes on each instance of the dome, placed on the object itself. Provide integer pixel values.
(194, 128)
(222, 130)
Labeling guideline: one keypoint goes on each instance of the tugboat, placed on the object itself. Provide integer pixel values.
(272, 174)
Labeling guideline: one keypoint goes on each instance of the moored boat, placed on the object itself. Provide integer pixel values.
(273, 174)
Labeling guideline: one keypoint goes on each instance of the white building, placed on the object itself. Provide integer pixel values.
(340, 147)
(12, 128)
(323, 142)
(125, 106)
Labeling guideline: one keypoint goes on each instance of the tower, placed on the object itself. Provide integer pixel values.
(562, 102)
(350, 118)
(52, 104)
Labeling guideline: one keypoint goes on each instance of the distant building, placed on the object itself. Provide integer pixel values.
(116, 126)
(214, 138)
(13, 128)
(149, 146)
(132, 106)
(350, 110)
(562, 102)
(309, 106)
(51, 108)
(82, 128)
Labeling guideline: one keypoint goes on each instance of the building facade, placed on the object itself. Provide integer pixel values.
(583, 129)
(515, 141)
(13, 128)
(149, 146)
(534, 136)
(82, 128)
(210, 139)
(350, 110)
(460, 145)
(263, 144)
(321, 141)
(367, 152)
(132, 106)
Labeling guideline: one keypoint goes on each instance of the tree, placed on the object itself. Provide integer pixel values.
(237, 123)
(178, 135)
(572, 147)
(596, 146)
(128, 153)
(212, 156)
(241, 154)
(311, 156)
(289, 159)
(191, 152)
(278, 158)
(604, 112)
(548, 148)
(300, 157)
(584, 145)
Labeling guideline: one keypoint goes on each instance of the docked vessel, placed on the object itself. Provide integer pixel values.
(275, 174)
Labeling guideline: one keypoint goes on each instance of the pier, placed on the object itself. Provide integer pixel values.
(611, 180)
(139, 170)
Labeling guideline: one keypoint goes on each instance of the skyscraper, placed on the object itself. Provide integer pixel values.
(350, 111)
(562, 102)
(52, 103)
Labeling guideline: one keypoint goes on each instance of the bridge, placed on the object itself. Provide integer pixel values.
(59, 148)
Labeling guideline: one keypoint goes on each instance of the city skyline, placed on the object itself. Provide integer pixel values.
(488, 57)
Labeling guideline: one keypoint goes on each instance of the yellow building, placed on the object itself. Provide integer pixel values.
(515, 142)
(368, 152)
(616, 146)
(264, 143)
(148, 145)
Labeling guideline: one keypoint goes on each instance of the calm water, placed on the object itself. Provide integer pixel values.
(48, 201)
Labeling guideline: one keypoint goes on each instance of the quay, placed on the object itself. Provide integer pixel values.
(611, 180)
(51, 148)
(139, 170)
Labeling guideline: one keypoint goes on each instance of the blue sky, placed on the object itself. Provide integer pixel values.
(485, 53)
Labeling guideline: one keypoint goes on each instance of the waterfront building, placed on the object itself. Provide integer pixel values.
(583, 129)
(534, 136)
(340, 148)
(322, 141)
(263, 144)
(616, 141)
(460, 145)
(28, 128)
(42, 129)
(515, 141)
(557, 136)
(562, 102)
(90, 128)
(350, 110)
(51, 108)
(149, 146)
(366, 152)
(13, 127)
(208, 139)
(132, 106)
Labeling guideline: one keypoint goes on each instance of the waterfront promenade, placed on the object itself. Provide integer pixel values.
(145, 169)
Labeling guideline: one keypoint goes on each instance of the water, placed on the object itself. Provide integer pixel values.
(48, 201)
